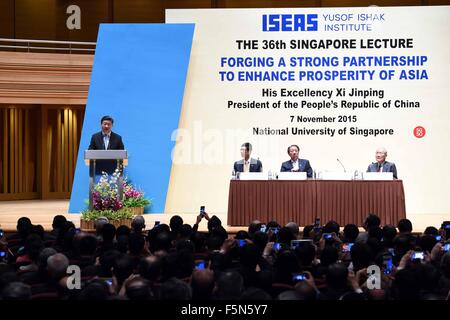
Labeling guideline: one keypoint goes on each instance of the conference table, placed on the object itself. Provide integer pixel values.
(302, 201)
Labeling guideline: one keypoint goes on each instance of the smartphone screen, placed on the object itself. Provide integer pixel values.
(1, 233)
(241, 242)
(299, 243)
(387, 264)
(200, 265)
(327, 236)
(263, 228)
(298, 277)
(275, 230)
(202, 211)
(2, 254)
(157, 223)
(347, 247)
(447, 247)
(417, 255)
(108, 282)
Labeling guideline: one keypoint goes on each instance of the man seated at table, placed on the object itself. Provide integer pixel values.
(296, 164)
(381, 165)
(247, 164)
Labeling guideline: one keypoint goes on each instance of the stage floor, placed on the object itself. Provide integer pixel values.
(42, 212)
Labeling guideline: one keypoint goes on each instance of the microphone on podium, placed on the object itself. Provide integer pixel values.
(341, 164)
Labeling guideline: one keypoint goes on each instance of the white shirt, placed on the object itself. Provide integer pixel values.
(247, 165)
(106, 139)
(295, 165)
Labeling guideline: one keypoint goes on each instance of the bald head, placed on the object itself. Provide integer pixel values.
(202, 283)
(294, 228)
(57, 265)
(138, 223)
(99, 223)
(305, 291)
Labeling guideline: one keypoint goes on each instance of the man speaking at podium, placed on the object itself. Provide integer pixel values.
(296, 164)
(106, 140)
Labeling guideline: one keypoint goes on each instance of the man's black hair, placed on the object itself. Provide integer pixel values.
(351, 232)
(293, 145)
(331, 226)
(336, 277)
(389, 233)
(175, 223)
(58, 221)
(404, 225)
(88, 244)
(108, 232)
(247, 146)
(253, 293)
(175, 289)
(107, 118)
(431, 230)
(372, 220)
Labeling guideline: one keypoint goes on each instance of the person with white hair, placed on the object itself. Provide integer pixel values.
(381, 165)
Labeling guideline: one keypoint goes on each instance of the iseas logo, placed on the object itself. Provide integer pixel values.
(289, 22)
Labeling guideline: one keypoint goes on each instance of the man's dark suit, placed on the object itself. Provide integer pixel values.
(387, 167)
(97, 143)
(303, 166)
(255, 165)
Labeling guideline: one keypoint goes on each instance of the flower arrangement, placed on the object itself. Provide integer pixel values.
(106, 202)
(133, 198)
(106, 193)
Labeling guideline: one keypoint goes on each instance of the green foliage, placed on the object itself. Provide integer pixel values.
(92, 215)
(136, 202)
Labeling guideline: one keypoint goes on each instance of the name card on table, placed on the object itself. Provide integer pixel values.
(291, 175)
(253, 176)
(378, 176)
(337, 175)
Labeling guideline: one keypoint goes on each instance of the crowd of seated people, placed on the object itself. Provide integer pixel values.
(265, 262)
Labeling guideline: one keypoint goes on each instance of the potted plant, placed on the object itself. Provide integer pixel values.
(118, 218)
(134, 199)
(106, 203)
